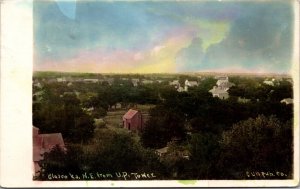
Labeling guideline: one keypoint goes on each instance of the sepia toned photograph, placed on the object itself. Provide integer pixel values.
(163, 90)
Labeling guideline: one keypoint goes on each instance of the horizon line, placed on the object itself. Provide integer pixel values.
(170, 73)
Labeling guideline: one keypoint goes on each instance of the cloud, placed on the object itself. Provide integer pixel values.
(256, 39)
(164, 36)
(158, 48)
(125, 61)
(190, 58)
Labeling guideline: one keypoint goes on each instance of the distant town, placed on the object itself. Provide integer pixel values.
(174, 126)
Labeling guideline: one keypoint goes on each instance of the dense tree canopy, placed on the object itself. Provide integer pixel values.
(207, 138)
(260, 144)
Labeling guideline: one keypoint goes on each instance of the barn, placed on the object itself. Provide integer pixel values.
(133, 120)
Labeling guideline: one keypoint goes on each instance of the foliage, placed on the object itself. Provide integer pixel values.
(64, 115)
(224, 138)
(260, 144)
(61, 162)
(114, 153)
(162, 126)
(205, 152)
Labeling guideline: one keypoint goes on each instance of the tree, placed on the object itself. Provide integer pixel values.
(61, 162)
(176, 161)
(117, 152)
(63, 115)
(205, 151)
(260, 144)
(207, 83)
(163, 125)
(83, 129)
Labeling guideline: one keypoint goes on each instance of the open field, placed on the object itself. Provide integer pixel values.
(113, 119)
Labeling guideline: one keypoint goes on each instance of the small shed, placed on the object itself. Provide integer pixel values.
(162, 151)
(287, 101)
(133, 120)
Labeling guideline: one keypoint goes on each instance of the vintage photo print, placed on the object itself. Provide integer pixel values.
(158, 93)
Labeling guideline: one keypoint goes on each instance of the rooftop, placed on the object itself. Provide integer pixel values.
(130, 114)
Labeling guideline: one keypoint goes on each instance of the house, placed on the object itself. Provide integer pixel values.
(287, 101)
(191, 83)
(222, 87)
(135, 82)
(269, 82)
(147, 81)
(61, 80)
(289, 80)
(43, 143)
(91, 80)
(243, 100)
(219, 92)
(175, 83)
(133, 120)
(110, 81)
(221, 77)
(181, 153)
(37, 96)
(79, 80)
(162, 151)
(225, 85)
(37, 84)
(88, 110)
(51, 80)
(180, 89)
(188, 84)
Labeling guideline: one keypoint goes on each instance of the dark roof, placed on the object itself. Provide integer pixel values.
(130, 114)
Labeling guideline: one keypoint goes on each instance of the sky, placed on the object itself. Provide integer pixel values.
(163, 36)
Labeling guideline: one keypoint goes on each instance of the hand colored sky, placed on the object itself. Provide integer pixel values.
(163, 36)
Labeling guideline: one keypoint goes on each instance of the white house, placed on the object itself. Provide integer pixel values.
(110, 81)
(221, 78)
(91, 80)
(135, 82)
(222, 87)
(188, 84)
(269, 82)
(225, 85)
(147, 81)
(191, 83)
(180, 89)
(174, 82)
(61, 79)
(220, 93)
(37, 84)
(287, 101)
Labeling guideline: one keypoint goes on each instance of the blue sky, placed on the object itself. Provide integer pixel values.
(163, 36)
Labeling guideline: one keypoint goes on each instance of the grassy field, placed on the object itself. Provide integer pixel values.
(113, 123)
(114, 117)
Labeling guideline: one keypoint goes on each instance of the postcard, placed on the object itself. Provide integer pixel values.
(130, 93)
